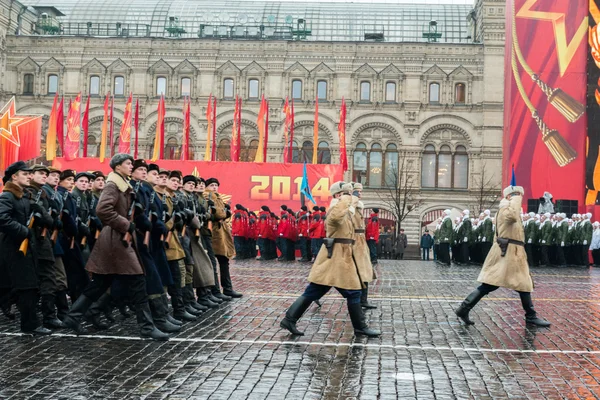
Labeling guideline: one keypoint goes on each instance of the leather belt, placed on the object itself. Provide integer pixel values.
(343, 241)
(359, 231)
(504, 242)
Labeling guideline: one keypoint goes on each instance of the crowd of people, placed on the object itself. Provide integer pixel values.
(141, 238)
(550, 239)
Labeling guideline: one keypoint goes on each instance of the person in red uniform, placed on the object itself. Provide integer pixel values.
(252, 234)
(373, 234)
(283, 228)
(292, 236)
(239, 232)
(314, 231)
(303, 234)
(265, 234)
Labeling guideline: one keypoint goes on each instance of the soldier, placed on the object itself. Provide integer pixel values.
(464, 236)
(445, 237)
(586, 239)
(401, 245)
(314, 231)
(115, 255)
(577, 240)
(252, 234)
(362, 257)
(545, 238)
(283, 227)
(264, 234)
(436, 239)
(303, 234)
(531, 231)
(506, 264)
(487, 235)
(239, 230)
(46, 262)
(18, 240)
(595, 246)
(562, 230)
(373, 235)
(79, 194)
(222, 239)
(569, 243)
(98, 182)
(334, 266)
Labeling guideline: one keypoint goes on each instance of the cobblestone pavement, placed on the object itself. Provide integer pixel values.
(238, 351)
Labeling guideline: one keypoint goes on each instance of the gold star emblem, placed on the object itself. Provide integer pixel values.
(10, 122)
(564, 50)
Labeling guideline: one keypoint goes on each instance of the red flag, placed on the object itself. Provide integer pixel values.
(136, 122)
(185, 146)
(342, 136)
(51, 135)
(112, 126)
(239, 127)
(86, 123)
(213, 155)
(234, 149)
(103, 132)
(316, 133)
(71, 149)
(125, 134)
(260, 122)
(209, 130)
(266, 132)
(159, 140)
(286, 129)
(60, 120)
(291, 146)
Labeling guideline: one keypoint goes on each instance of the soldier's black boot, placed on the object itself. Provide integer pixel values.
(530, 314)
(172, 320)
(159, 315)
(62, 304)
(50, 320)
(73, 318)
(93, 315)
(147, 327)
(179, 311)
(204, 298)
(293, 314)
(359, 323)
(192, 298)
(364, 298)
(462, 311)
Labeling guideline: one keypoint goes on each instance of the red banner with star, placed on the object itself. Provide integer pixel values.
(20, 135)
(545, 97)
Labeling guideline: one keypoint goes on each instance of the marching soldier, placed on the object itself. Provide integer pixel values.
(506, 264)
(531, 231)
(334, 266)
(445, 238)
(362, 257)
(464, 236)
(562, 231)
(21, 221)
(487, 235)
(545, 239)
(586, 239)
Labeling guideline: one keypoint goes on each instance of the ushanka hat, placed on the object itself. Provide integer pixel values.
(210, 181)
(140, 163)
(190, 178)
(119, 159)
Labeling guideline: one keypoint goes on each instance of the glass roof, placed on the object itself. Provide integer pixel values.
(237, 19)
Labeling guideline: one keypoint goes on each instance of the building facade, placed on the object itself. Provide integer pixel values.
(424, 97)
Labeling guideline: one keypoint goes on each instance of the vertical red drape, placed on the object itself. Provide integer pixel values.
(60, 127)
(136, 122)
(112, 126)
(86, 126)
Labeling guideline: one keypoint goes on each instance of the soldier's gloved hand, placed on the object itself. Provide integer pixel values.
(529, 241)
(465, 240)
(84, 230)
(562, 244)
(352, 209)
(189, 216)
(58, 224)
(201, 209)
(585, 242)
(210, 203)
(167, 217)
(483, 239)
(178, 224)
(143, 223)
(131, 228)
(543, 242)
(445, 238)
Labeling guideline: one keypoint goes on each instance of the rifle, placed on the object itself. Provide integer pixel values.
(147, 235)
(77, 221)
(54, 236)
(30, 220)
(164, 216)
(45, 230)
(170, 233)
(127, 238)
(89, 219)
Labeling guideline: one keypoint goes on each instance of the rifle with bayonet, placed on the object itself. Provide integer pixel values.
(50, 211)
(30, 220)
(128, 237)
(89, 220)
(147, 235)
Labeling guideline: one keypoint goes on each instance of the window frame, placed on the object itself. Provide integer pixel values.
(250, 97)
(453, 154)
(464, 93)
(225, 97)
(57, 84)
(156, 80)
(365, 150)
(90, 86)
(372, 150)
(385, 99)
(115, 85)
(25, 92)
(360, 89)
(319, 98)
(301, 89)
(439, 88)
(181, 94)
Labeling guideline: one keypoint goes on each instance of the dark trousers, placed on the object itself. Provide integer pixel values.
(444, 253)
(585, 255)
(26, 300)
(463, 250)
(304, 249)
(529, 252)
(240, 247)
(136, 285)
(290, 247)
(224, 272)
(315, 291)
(426, 254)
(596, 256)
(560, 256)
(545, 256)
(436, 250)
(372, 250)
(485, 249)
(282, 246)
(316, 246)
(47, 278)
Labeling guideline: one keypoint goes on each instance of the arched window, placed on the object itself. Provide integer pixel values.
(444, 167)
(434, 92)
(297, 89)
(52, 84)
(391, 165)
(322, 90)
(445, 170)
(94, 85)
(172, 149)
(307, 151)
(249, 152)
(186, 87)
(365, 91)
(223, 150)
(324, 153)
(28, 84)
(375, 166)
(161, 86)
(390, 92)
(228, 88)
(119, 86)
(461, 168)
(428, 167)
(359, 165)
(459, 93)
(253, 89)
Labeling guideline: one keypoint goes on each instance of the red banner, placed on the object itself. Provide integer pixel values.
(545, 97)
(250, 184)
(71, 149)
(125, 134)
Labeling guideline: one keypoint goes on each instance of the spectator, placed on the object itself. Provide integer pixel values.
(401, 244)
(426, 244)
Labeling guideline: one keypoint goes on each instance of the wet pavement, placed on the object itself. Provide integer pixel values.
(238, 351)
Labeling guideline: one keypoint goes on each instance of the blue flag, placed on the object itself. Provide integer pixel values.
(513, 180)
(305, 187)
